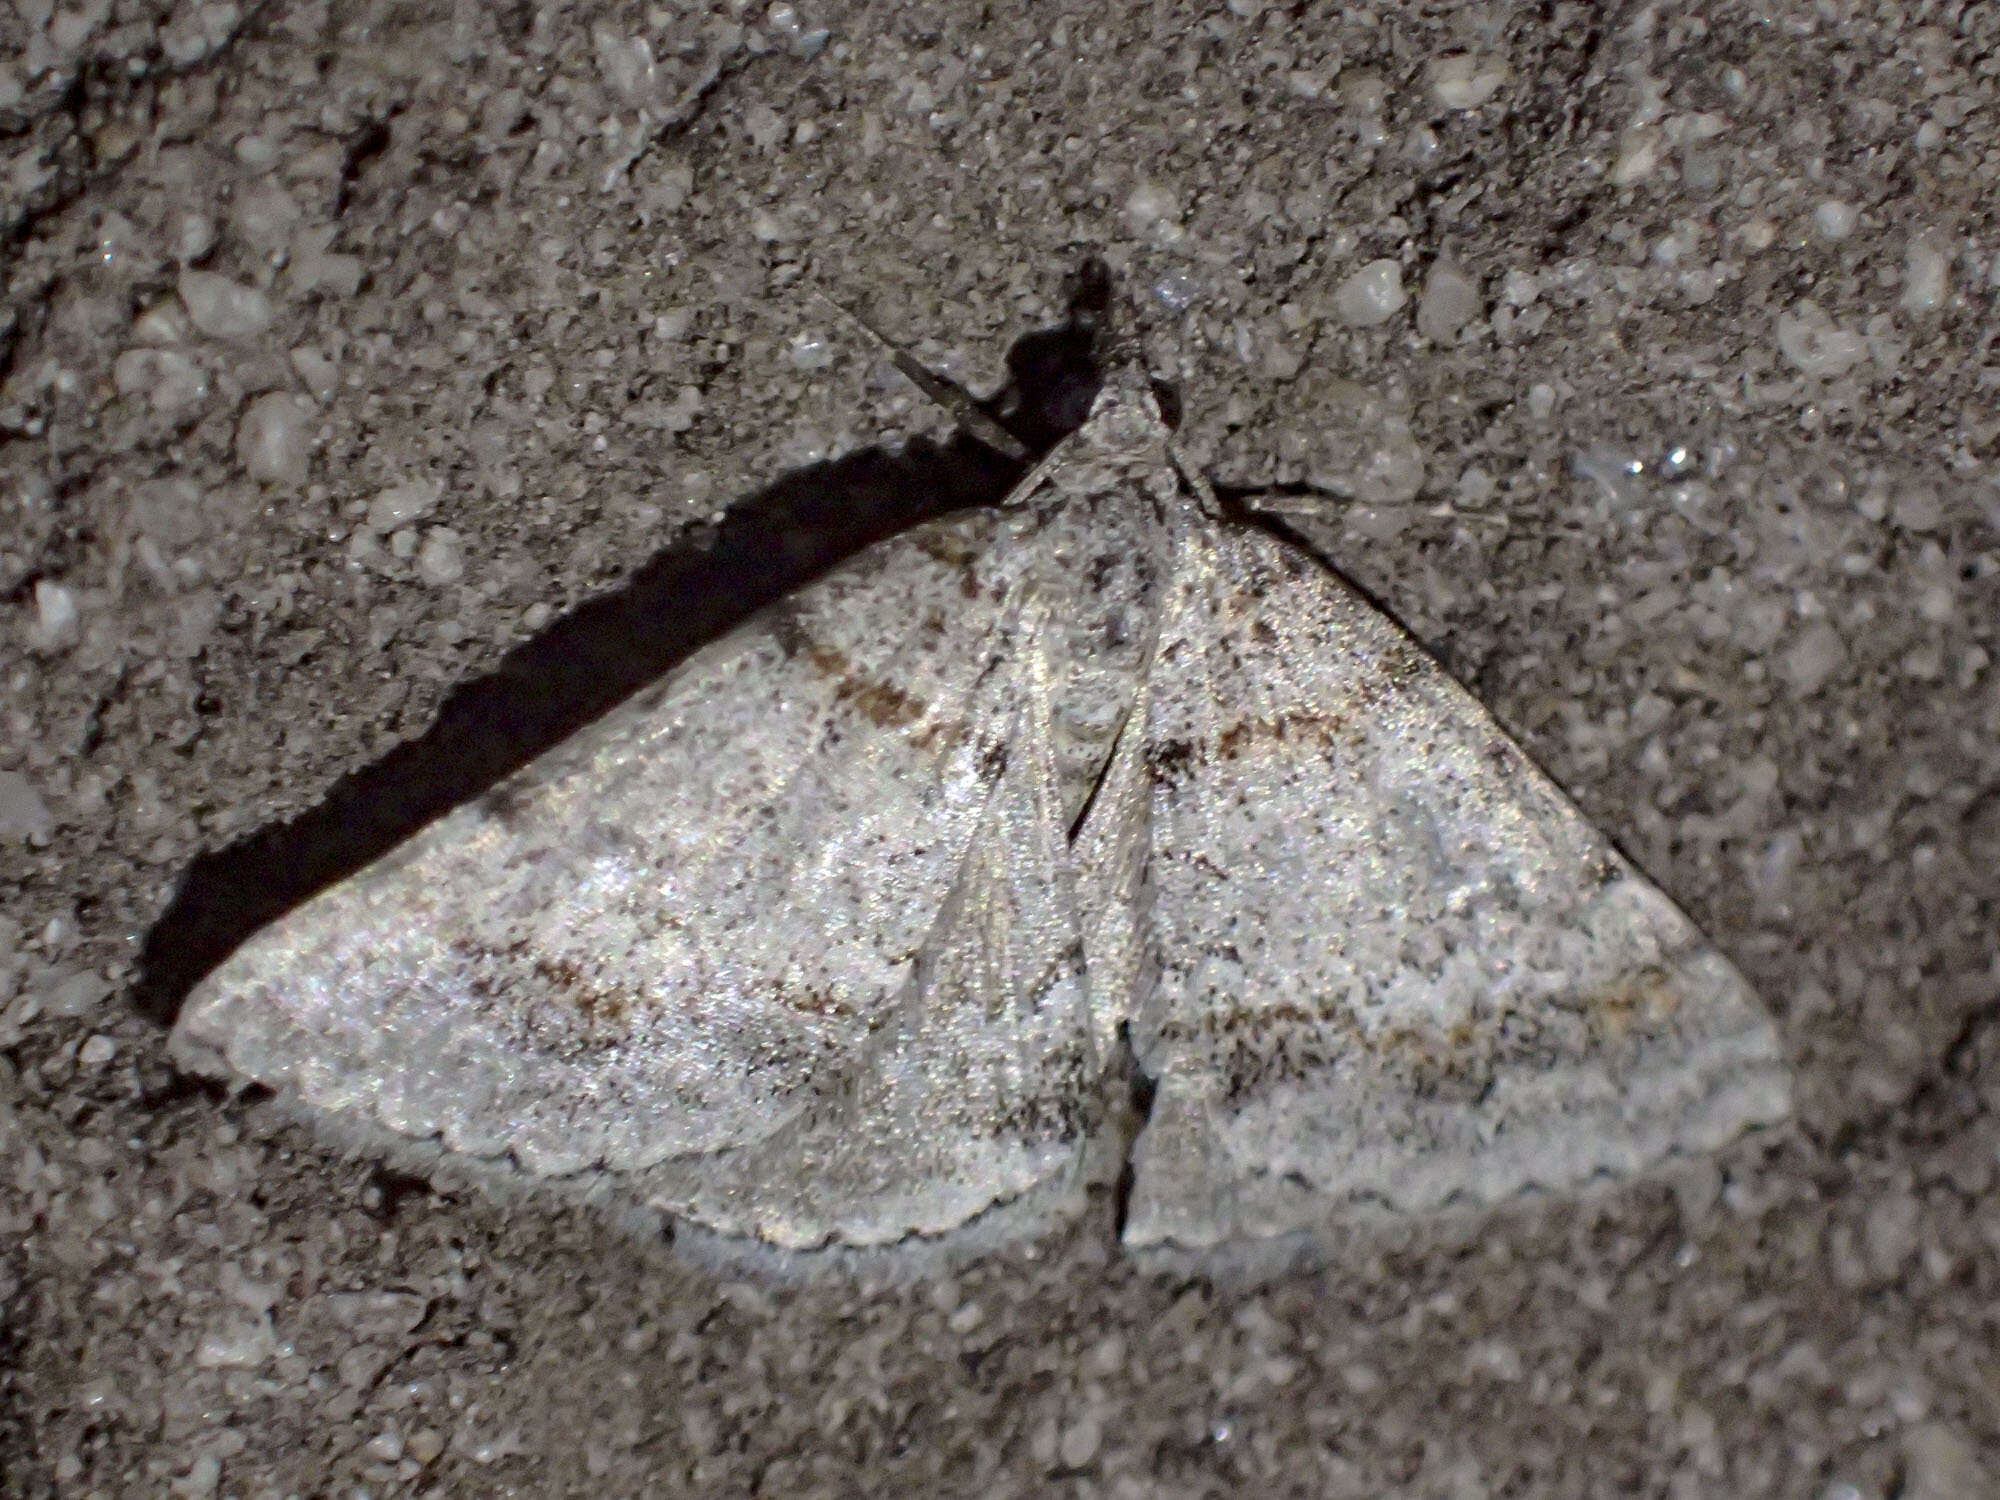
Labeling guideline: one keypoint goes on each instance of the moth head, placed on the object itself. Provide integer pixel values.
(1128, 413)
(1128, 389)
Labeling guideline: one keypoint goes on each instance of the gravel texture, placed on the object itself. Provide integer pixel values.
(370, 366)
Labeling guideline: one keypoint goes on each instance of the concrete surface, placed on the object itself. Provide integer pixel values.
(347, 346)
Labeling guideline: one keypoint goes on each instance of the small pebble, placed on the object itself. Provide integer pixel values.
(765, 126)
(1890, 1233)
(56, 617)
(173, 512)
(257, 1296)
(441, 559)
(1813, 659)
(170, 381)
(165, 322)
(1465, 81)
(400, 504)
(1475, 486)
(316, 268)
(361, 1366)
(626, 64)
(1925, 277)
(1153, 210)
(1937, 603)
(424, 1445)
(1885, 346)
(97, 1051)
(809, 354)
(258, 153)
(1939, 1464)
(224, 309)
(1815, 344)
(1520, 288)
(274, 441)
(1371, 296)
(385, 1447)
(24, 816)
(191, 237)
(239, 1344)
(1835, 220)
(321, 375)
(201, 1479)
(1080, 1441)
(1637, 161)
(1917, 508)
(264, 218)
(1495, 1358)
(1449, 302)
(75, 994)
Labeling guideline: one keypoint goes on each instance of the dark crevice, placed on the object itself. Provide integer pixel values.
(364, 146)
(388, 1189)
(1103, 774)
(18, 1404)
(1053, 377)
(1141, 1089)
(1961, 1055)
(543, 691)
(177, 1087)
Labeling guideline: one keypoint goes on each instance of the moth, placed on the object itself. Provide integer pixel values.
(858, 927)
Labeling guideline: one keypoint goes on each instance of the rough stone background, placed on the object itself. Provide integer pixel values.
(1640, 357)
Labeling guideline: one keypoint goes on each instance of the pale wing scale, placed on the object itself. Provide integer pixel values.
(1397, 967)
(982, 1083)
(1110, 854)
(653, 939)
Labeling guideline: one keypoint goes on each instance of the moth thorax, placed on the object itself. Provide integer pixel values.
(1092, 708)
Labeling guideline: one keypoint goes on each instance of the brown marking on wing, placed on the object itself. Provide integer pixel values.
(946, 546)
(941, 736)
(507, 803)
(949, 550)
(547, 1003)
(881, 703)
(1640, 1000)
(1323, 729)
(598, 1007)
(1169, 760)
(809, 1000)
(1254, 1048)
(1067, 1105)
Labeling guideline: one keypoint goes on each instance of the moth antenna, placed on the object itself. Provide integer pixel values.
(953, 397)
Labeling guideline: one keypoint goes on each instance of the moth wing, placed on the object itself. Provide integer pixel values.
(1109, 855)
(1397, 966)
(981, 1085)
(663, 937)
